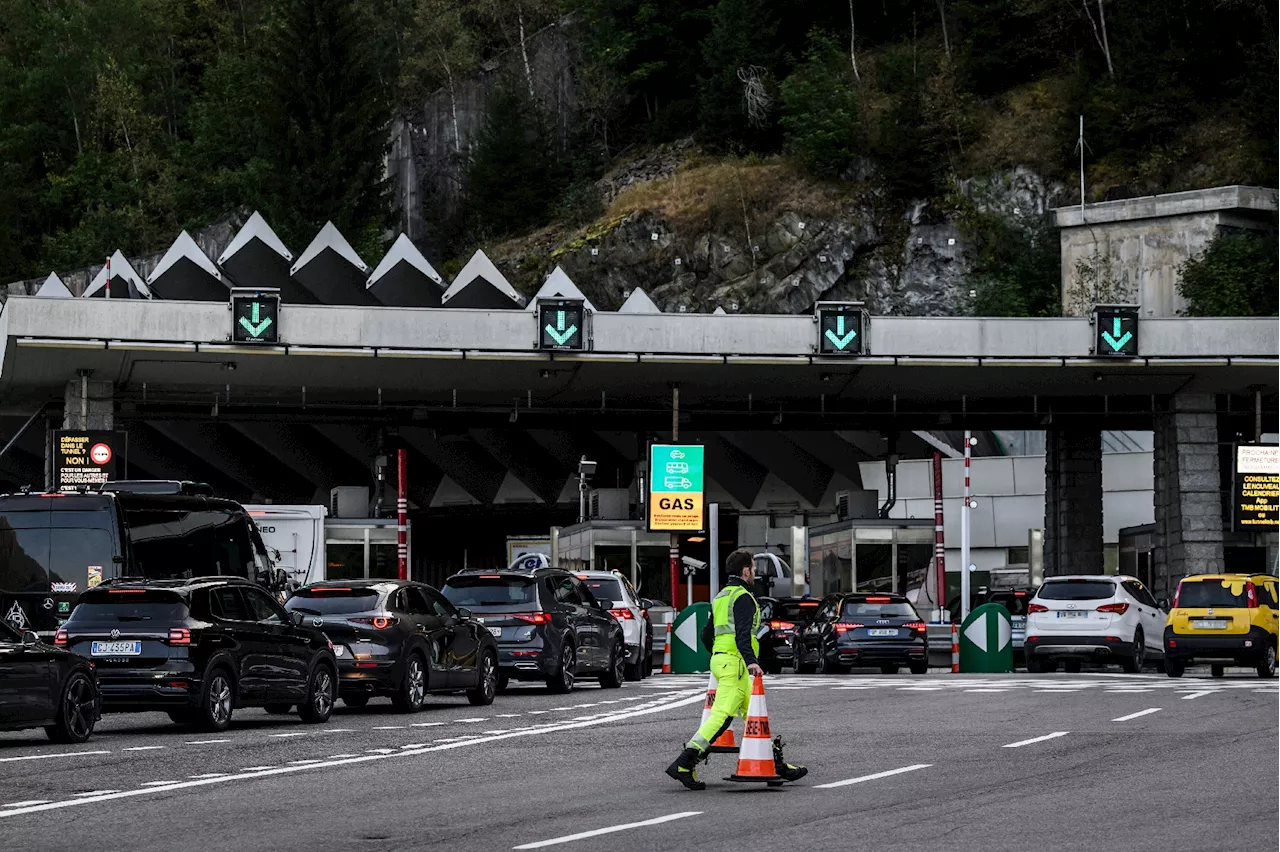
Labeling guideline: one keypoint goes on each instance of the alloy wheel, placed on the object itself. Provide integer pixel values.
(488, 677)
(220, 699)
(417, 683)
(1271, 660)
(79, 709)
(567, 667)
(619, 664)
(322, 692)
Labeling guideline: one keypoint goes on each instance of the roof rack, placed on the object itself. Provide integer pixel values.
(159, 486)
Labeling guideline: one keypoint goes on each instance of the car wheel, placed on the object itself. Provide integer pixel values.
(321, 694)
(1267, 665)
(76, 711)
(1173, 667)
(487, 684)
(412, 693)
(1218, 670)
(797, 661)
(889, 669)
(562, 681)
(1133, 663)
(919, 668)
(1071, 666)
(648, 659)
(217, 701)
(822, 666)
(278, 709)
(355, 701)
(613, 678)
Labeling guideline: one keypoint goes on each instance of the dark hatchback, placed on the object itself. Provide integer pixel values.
(547, 624)
(200, 648)
(43, 686)
(863, 629)
(399, 639)
(781, 620)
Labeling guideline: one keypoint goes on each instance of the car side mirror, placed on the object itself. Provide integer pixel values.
(29, 638)
(463, 612)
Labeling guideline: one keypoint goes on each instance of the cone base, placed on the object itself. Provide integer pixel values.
(745, 778)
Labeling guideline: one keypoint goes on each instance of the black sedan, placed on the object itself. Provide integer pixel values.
(46, 687)
(781, 621)
(399, 639)
(864, 629)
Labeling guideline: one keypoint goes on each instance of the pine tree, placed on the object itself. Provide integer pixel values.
(512, 177)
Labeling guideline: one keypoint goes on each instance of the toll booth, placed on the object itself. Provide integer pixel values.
(610, 545)
(875, 555)
(1137, 545)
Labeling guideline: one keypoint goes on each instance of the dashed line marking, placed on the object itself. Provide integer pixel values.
(874, 777)
(1192, 695)
(304, 762)
(256, 768)
(289, 734)
(335, 730)
(204, 775)
(508, 715)
(389, 727)
(26, 803)
(143, 748)
(427, 724)
(477, 719)
(47, 756)
(95, 793)
(986, 690)
(1022, 743)
(206, 742)
(156, 783)
(1146, 712)
(610, 830)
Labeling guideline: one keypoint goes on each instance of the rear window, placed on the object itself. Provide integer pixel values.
(1201, 594)
(490, 591)
(46, 551)
(877, 609)
(1016, 604)
(793, 611)
(607, 591)
(129, 607)
(1077, 590)
(332, 601)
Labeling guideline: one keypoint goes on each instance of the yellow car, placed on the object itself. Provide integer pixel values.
(1223, 619)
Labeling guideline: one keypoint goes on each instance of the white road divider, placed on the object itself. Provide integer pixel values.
(1022, 743)
(1146, 712)
(568, 838)
(874, 777)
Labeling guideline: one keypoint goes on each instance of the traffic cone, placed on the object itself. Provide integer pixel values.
(725, 743)
(666, 652)
(955, 649)
(755, 758)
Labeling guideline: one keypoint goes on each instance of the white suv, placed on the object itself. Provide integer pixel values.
(614, 592)
(1095, 617)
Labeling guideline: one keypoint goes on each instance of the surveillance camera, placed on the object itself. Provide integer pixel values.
(695, 564)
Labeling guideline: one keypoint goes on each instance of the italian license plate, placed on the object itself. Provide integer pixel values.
(115, 649)
(496, 631)
(1070, 613)
(877, 632)
(1211, 623)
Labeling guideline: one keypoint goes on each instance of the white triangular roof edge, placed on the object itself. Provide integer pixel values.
(256, 227)
(480, 266)
(559, 286)
(53, 288)
(719, 312)
(639, 303)
(330, 238)
(403, 249)
(184, 246)
(120, 268)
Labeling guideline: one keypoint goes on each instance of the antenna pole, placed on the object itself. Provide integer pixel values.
(1080, 148)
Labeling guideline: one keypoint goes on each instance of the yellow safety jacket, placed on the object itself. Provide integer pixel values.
(731, 624)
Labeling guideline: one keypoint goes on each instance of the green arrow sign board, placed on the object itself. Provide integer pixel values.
(841, 330)
(560, 326)
(1116, 331)
(255, 319)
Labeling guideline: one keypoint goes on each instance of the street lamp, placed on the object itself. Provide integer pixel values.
(585, 470)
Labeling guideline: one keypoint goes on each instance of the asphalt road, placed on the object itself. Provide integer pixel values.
(956, 762)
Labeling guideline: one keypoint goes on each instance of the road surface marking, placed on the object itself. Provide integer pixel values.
(776, 688)
(335, 730)
(304, 762)
(1126, 690)
(1146, 712)
(1021, 743)
(255, 768)
(920, 688)
(514, 715)
(47, 756)
(26, 804)
(697, 696)
(540, 712)
(986, 690)
(290, 734)
(96, 793)
(380, 750)
(206, 742)
(143, 748)
(860, 779)
(427, 724)
(851, 687)
(568, 838)
(156, 783)
(389, 727)
(209, 775)
(338, 756)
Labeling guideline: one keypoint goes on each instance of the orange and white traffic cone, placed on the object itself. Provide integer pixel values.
(666, 652)
(755, 758)
(955, 649)
(725, 743)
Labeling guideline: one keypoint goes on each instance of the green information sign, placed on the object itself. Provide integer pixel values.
(675, 487)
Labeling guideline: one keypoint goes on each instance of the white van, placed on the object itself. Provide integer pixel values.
(296, 534)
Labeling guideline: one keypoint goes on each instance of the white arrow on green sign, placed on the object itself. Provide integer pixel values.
(560, 334)
(256, 327)
(1114, 338)
(838, 337)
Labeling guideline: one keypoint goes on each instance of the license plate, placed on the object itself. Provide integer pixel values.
(1211, 623)
(496, 631)
(115, 649)
(882, 632)
(1071, 613)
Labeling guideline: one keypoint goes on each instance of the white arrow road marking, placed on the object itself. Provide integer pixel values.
(47, 756)
(1022, 743)
(1146, 712)
(568, 838)
(860, 779)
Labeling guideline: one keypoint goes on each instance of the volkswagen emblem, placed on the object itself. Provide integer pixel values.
(48, 603)
(115, 633)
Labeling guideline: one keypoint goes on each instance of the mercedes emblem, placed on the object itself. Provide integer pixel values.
(48, 603)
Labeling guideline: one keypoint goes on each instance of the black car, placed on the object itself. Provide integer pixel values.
(548, 625)
(42, 686)
(399, 639)
(199, 649)
(781, 620)
(864, 629)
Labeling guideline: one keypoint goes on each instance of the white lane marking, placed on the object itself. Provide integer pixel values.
(877, 775)
(210, 775)
(206, 742)
(568, 838)
(290, 734)
(1021, 743)
(540, 712)
(156, 783)
(698, 696)
(477, 719)
(850, 687)
(142, 748)
(380, 750)
(304, 762)
(776, 688)
(339, 756)
(96, 793)
(1268, 691)
(514, 715)
(986, 690)
(254, 768)
(47, 756)
(427, 724)
(26, 803)
(920, 688)
(1127, 690)
(389, 727)
(335, 730)
(1146, 712)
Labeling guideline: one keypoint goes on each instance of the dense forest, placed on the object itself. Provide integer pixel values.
(122, 121)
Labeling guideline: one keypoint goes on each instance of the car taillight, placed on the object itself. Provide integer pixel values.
(179, 636)
(1117, 608)
(1177, 594)
(533, 617)
(644, 613)
(918, 626)
(781, 625)
(60, 638)
(879, 599)
(1251, 592)
(846, 626)
(1037, 608)
(378, 622)
(624, 614)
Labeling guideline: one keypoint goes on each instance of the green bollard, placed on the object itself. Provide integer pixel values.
(986, 640)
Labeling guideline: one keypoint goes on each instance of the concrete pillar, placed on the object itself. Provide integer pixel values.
(1188, 496)
(88, 403)
(1073, 502)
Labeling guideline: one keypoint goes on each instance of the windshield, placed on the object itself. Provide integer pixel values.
(870, 609)
(332, 601)
(1200, 594)
(1077, 590)
(490, 591)
(605, 591)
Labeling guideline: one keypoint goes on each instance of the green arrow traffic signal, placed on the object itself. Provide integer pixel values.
(838, 337)
(560, 334)
(255, 327)
(1114, 338)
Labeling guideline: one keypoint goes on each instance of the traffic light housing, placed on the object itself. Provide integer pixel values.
(255, 316)
(1115, 331)
(562, 325)
(842, 328)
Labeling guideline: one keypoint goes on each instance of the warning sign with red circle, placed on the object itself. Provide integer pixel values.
(87, 459)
